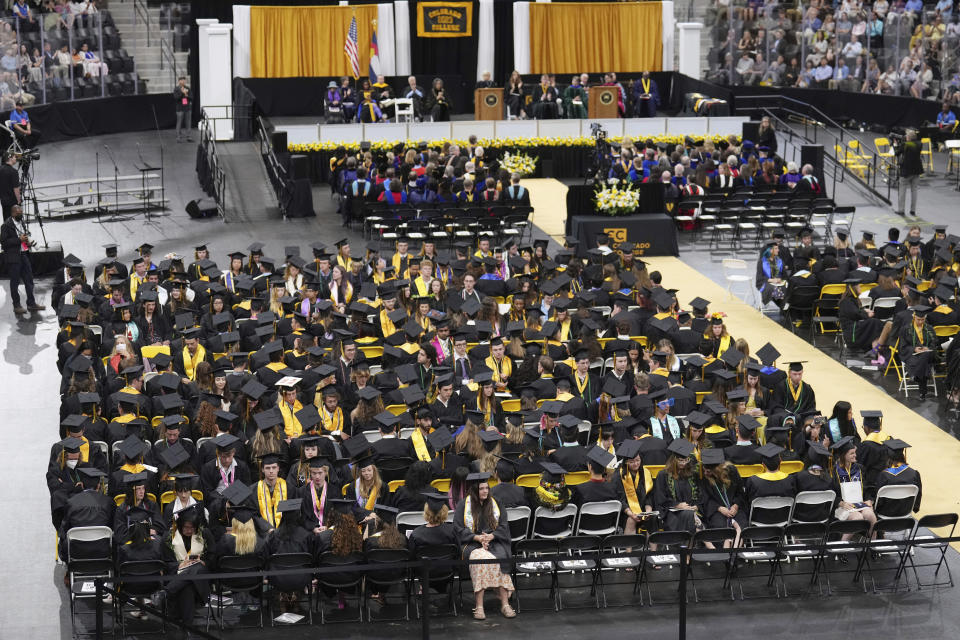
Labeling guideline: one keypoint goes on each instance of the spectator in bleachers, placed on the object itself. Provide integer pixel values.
(92, 66)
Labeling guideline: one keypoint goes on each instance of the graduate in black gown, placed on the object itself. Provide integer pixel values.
(772, 482)
(723, 490)
(898, 472)
(677, 493)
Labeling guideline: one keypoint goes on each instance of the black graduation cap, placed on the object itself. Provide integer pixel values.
(681, 448)
(600, 456)
(174, 456)
(747, 422)
(132, 447)
(74, 422)
(712, 456)
(871, 418)
(629, 449)
(225, 441)
(268, 419)
(440, 438)
(770, 451)
(895, 444)
(768, 354)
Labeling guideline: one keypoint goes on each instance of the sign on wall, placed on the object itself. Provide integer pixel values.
(444, 19)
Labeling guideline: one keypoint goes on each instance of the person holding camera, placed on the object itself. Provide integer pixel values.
(911, 168)
(15, 242)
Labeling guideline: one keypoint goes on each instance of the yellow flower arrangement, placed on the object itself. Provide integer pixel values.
(615, 200)
(520, 163)
(486, 143)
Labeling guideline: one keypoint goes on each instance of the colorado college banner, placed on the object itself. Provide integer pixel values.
(444, 19)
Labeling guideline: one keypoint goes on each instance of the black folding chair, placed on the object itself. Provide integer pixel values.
(925, 542)
(610, 567)
(292, 583)
(380, 580)
(704, 556)
(572, 565)
(663, 558)
(536, 565)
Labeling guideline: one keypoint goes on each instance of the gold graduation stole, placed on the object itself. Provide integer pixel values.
(291, 425)
(772, 475)
(420, 446)
(371, 499)
(332, 421)
(269, 501)
(630, 490)
(190, 363)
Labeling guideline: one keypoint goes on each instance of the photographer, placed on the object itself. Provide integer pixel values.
(911, 168)
(9, 184)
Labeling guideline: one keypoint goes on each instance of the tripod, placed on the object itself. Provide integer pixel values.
(28, 195)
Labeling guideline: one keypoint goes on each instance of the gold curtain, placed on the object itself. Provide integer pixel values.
(307, 41)
(595, 37)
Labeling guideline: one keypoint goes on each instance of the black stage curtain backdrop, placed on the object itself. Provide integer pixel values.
(503, 34)
(448, 57)
(99, 116)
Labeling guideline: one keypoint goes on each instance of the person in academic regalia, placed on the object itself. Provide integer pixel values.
(849, 483)
(646, 96)
(484, 532)
(918, 348)
(187, 548)
(771, 482)
(898, 472)
(724, 503)
(90, 507)
(792, 396)
(677, 491)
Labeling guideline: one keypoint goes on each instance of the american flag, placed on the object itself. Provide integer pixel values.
(352, 49)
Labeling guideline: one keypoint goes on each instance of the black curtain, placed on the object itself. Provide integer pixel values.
(447, 58)
(503, 36)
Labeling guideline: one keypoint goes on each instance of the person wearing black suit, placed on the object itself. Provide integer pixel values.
(14, 240)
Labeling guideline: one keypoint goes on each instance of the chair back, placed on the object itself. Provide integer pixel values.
(549, 523)
(771, 510)
(817, 506)
(598, 518)
(519, 520)
(895, 500)
(138, 569)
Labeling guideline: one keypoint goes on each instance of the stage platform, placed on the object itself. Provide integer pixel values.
(300, 132)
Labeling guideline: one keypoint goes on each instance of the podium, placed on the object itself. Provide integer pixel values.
(602, 102)
(488, 104)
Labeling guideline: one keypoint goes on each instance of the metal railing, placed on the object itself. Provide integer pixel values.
(851, 158)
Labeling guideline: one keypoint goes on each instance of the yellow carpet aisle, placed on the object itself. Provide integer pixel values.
(933, 452)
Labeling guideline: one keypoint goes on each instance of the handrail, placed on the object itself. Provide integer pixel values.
(140, 8)
(874, 168)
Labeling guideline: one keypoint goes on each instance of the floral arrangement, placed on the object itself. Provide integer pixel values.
(520, 163)
(614, 200)
(486, 143)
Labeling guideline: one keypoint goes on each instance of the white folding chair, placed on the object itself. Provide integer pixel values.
(895, 501)
(820, 502)
(568, 514)
(601, 518)
(735, 273)
(403, 107)
(771, 505)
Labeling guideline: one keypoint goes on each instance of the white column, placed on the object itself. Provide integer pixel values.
(666, 29)
(401, 23)
(689, 47)
(216, 89)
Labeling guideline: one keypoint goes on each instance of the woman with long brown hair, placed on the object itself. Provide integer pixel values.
(485, 534)
(724, 501)
(676, 490)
